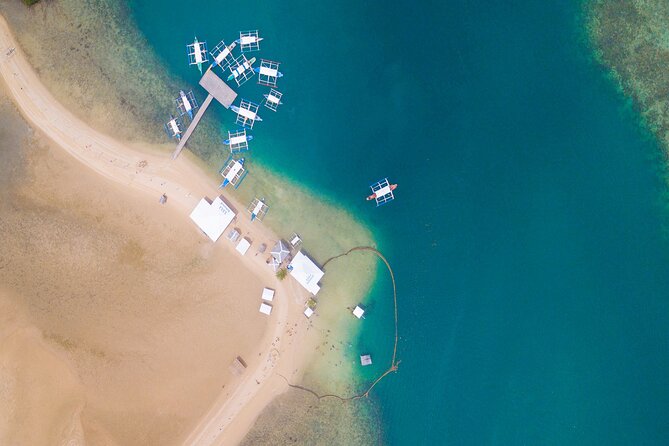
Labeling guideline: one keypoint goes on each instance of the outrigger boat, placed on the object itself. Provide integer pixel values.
(237, 139)
(224, 53)
(249, 41)
(382, 192)
(186, 103)
(241, 68)
(197, 54)
(233, 172)
(172, 128)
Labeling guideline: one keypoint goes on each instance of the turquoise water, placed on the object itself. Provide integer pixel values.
(527, 234)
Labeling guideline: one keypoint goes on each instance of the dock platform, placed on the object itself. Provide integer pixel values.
(218, 90)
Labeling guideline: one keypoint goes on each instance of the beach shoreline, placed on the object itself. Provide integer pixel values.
(184, 184)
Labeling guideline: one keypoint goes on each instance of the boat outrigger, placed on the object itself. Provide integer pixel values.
(247, 114)
(242, 70)
(273, 99)
(268, 72)
(249, 41)
(233, 172)
(382, 192)
(223, 55)
(173, 128)
(186, 103)
(258, 209)
(238, 141)
(197, 54)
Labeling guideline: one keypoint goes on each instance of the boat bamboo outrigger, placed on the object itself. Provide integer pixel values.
(247, 113)
(238, 141)
(233, 172)
(173, 128)
(242, 70)
(197, 54)
(186, 104)
(382, 192)
(222, 55)
(273, 99)
(268, 72)
(249, 41)
(258, 209)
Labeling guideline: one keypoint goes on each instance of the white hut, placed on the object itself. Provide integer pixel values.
(358, 311)
(306, 272)
(366, 360)
(212, 218)
(268, 294)
(243, 246)
(265, 309)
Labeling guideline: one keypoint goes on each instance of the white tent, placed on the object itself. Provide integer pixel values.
(265, 309)
(308, 312)
(280, 251)
(268, 294)
(358, 312)
(212, 218)
(306, 272)
(243, 246)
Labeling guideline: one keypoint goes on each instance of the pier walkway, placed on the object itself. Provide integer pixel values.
(218, 90)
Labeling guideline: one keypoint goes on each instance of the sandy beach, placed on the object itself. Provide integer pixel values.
(149, 313)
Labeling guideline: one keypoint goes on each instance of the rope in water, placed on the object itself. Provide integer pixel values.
(394, 362)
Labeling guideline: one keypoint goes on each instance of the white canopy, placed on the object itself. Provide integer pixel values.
(212, 218)
(358, 312)
(267, 294)
(308, 312)
(243, 246)
(265, 309)
(305, 271)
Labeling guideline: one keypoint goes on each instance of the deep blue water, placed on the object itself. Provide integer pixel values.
(527, 234)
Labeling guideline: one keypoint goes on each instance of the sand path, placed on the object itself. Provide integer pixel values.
(184, 183)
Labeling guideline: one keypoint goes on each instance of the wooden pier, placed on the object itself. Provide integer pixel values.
(218, 90)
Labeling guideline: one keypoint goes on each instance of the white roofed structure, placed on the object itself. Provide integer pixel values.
(268, 72)
(268, 294)
(249, 41)
(243, 246)
(306, 272)
(366, 360)
(308, 312)
(280, 251)
(265, 309)
(273, 99)
(222, 54)
(358, 311)
(212, 218)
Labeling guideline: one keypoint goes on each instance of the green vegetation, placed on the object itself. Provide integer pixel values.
(30, 2)
(282, 273)
(631, 38)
